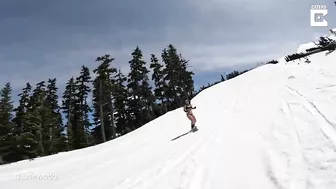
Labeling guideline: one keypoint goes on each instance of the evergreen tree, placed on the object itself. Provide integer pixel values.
(20, 111)
(141, 99)
(68, 108)
(222, 78)
(170, 78)
(120, 100)
(186, 79)
(54, 141)
(158, 77)
(160, 85)
(324, 41)
(37, 116)
(26, 142)
(180, 84)
(148, 100)
(232, 75)
(102, 100)
(81, 131)
(6, 125)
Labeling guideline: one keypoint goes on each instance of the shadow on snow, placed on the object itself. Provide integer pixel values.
(181, 136)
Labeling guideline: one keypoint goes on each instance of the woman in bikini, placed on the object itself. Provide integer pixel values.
(188, 109)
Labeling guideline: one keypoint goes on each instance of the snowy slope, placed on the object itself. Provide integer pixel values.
(273, 127)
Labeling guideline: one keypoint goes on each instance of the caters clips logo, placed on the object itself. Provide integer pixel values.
(317, 15)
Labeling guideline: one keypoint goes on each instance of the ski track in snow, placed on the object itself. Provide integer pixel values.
(273, 127)
(308, 154)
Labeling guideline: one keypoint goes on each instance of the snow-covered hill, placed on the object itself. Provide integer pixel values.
(272, 127)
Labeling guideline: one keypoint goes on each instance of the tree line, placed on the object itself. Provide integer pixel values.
(234, 74)
(97, 106)
(323, 44)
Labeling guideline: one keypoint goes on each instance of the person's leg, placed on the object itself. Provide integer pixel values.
(190, 117)
(193, 119)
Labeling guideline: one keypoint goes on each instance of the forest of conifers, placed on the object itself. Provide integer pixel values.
(97, 106)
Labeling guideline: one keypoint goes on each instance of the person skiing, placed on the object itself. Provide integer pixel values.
(188, 109)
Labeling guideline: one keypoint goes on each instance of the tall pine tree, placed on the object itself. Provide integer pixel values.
(160, 86)
(54, 141)
(6, 125)
(81, 132)
(141, 100)
(186, 79)
(37, 116)
(120, 101)
(180, 84)
(102, 100)
(26, 129)
(68, 108)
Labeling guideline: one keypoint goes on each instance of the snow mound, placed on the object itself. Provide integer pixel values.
(303, 47)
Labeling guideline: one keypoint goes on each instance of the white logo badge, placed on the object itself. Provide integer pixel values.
(317, 14)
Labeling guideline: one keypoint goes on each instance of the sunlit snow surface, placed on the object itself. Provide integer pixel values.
(272, 127)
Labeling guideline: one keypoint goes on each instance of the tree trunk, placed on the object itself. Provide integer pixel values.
(69, 119)
(101, 111)
(41, 141)
(112, 117)
(112, 125)
(2, 161)
(84, 127)
(42, 131)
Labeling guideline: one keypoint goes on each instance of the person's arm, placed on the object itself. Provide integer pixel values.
(184, 109)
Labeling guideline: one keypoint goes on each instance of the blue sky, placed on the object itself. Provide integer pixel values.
(42, 39)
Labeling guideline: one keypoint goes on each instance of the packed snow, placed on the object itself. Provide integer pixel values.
(272, 127)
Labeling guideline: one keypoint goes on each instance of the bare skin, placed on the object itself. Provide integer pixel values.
(188, 109)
